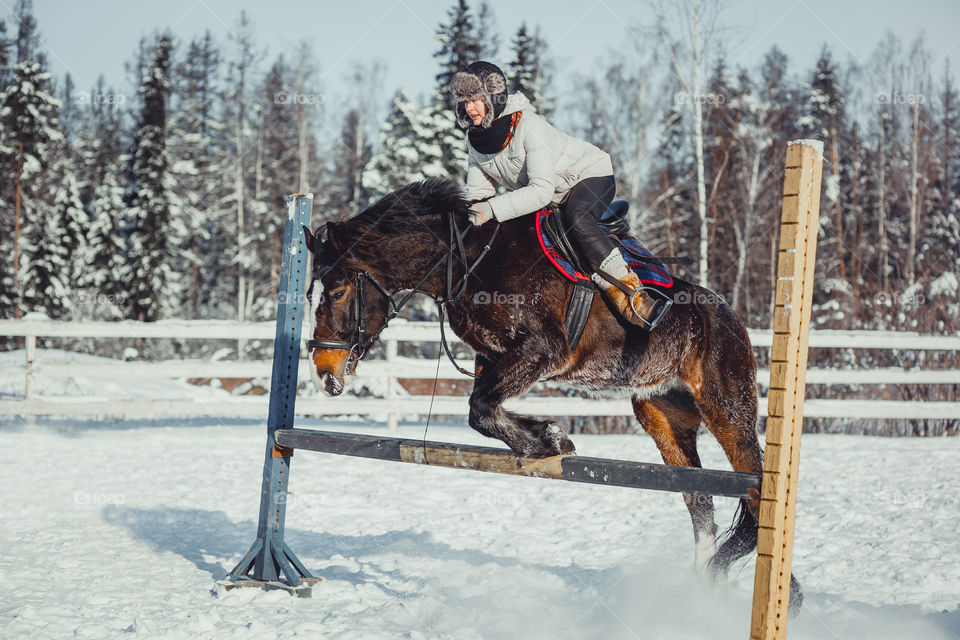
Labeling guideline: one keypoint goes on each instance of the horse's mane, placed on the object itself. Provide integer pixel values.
(398, 224)
(403, 210)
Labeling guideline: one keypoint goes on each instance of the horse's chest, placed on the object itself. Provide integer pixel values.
(488, 331)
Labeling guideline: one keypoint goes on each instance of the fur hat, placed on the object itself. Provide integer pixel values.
(479, 81)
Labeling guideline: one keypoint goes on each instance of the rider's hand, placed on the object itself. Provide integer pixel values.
(480, 212)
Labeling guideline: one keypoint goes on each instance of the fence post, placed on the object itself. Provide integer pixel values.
(30, 347)
(788, 366)
(392, 385)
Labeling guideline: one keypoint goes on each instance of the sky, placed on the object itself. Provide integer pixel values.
(90, 37)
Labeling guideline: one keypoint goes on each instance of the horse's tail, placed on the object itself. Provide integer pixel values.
(737, 541)
(741, 539)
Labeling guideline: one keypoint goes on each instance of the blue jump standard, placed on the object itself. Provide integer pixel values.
(271, 564)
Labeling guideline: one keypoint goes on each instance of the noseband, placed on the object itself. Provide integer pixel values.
(360, 342)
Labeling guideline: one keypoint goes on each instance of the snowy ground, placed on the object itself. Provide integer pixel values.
(113, 530)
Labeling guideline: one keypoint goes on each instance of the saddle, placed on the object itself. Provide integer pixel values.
(559, 249)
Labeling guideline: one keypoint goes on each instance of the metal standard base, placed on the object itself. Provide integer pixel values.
(296, 579)
(303, 590)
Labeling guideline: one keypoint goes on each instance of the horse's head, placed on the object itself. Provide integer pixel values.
(347, 312)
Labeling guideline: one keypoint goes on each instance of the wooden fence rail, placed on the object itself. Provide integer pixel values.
(393, 367)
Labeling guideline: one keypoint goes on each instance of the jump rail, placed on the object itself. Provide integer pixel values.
(617, 473)
(270, 563)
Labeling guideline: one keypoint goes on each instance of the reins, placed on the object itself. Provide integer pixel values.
(361, 342)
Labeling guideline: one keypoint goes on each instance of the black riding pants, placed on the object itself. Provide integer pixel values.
(580, 213)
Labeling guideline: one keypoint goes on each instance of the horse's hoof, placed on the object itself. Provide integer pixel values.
(556, 440)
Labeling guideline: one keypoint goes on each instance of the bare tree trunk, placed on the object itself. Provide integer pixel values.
(702, 277)
(838, 210)
(744, 235)
(195, 279)
(16, 233)
(882, 212)
(914, 185)
(302, 153)
(238, 189)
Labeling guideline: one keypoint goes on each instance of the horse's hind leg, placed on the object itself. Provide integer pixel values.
(672, 420)
(731, 415)
(509, 376)
(729, 410)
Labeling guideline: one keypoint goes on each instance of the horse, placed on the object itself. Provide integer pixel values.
(508, 304)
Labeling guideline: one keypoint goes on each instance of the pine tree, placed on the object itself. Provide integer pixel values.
(275, 176)
(398, 159)
(194, 134)
(28, 112)
(45, 268)
(103, 279)
(526, 71)
(153, 238)
(488, 36)
(71, 222)
(940, 243)
(8, 300)
(28, 37)
(459, 46)
(100, 139)
(351, 157)
(823, 117)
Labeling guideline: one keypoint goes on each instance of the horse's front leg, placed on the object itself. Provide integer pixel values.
(508, 376)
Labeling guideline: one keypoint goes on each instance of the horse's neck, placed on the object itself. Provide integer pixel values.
(404, 271)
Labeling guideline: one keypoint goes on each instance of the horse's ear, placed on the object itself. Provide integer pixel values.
(309, 237)
(330, 237)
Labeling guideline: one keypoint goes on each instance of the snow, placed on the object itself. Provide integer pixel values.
(110, 529)
(816, 145)
(945, 285)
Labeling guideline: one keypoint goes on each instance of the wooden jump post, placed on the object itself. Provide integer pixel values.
(799, 221)
(271, 564)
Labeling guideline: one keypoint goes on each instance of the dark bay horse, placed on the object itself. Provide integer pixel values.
(697, 367)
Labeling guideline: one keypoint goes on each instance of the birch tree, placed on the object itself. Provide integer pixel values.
(697, 21)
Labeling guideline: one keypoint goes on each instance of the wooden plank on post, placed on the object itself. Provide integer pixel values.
(791, 320)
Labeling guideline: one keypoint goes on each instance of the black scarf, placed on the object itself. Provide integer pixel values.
(497, 136)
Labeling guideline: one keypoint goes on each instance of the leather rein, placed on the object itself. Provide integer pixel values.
(361, 341)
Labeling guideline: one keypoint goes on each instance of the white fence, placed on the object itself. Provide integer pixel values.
(393, 367)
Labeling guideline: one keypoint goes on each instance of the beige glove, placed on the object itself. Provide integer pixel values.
(480, 212)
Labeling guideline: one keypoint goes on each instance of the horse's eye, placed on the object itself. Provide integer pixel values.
(337, 295)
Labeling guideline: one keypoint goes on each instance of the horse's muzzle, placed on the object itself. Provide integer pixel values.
(329, 369)
(329, 384)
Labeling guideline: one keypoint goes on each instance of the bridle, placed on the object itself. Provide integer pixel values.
(360, 341)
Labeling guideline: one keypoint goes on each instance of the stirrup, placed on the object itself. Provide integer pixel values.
(659, 310)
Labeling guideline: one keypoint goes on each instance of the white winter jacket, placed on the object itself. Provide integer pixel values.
(538, 166)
